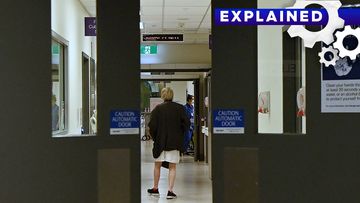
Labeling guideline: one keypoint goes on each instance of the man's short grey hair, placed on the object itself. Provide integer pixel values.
(167, 94)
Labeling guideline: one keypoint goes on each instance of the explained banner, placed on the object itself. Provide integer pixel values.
(283, 16)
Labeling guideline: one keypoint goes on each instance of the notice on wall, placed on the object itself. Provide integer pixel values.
(90, 26)
(340, 87)
(124, 122)
(228, 121)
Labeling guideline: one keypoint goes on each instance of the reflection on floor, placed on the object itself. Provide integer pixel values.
(192, 179)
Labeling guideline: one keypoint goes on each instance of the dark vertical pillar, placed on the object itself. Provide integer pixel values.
(25, 86)
(290, 79)
(118, 74)
(234, 86)
(36, 167)
(336, 138)
(199, 88)
(85, 93)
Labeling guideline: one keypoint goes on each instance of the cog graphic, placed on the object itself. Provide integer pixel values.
(340, 36)
(325, 50)
(342, 67)
(326, 34)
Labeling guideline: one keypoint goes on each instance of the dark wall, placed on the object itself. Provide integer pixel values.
(34, 166)
(321, 166)
(25, 93)
(234, 86)
(340, 139)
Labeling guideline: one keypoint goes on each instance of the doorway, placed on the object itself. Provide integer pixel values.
(193, 167)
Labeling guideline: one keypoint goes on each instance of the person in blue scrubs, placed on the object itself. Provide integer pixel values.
(189, 108)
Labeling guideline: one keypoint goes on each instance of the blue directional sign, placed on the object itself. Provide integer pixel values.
(124, 122)
(228, 121)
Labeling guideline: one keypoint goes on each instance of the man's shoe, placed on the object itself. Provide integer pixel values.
(153, 192)
(170, 195)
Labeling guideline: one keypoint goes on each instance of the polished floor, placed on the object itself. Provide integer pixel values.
(192, 182)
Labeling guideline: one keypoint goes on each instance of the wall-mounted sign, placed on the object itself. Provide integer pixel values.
(90, 26)
(264, 102)
(300, 101)
(340, 86)
(148, 49)
(162, 37)
(228, 121)
(124, 122)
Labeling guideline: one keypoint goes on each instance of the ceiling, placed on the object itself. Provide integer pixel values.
(190, 17)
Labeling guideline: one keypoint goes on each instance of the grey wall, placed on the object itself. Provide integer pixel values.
(338, 134)
(35, 167)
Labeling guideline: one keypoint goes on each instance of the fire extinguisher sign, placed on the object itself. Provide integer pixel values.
(228, 121)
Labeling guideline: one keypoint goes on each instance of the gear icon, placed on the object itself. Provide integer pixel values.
(340, 36)
(335, 57)
(326, 34)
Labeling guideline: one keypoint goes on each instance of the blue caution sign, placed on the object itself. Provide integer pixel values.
(228, 121)
(124, 122)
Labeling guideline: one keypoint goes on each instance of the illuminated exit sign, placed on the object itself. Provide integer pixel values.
(148, 49)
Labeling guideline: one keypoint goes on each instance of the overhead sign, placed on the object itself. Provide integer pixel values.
(124, 122)
(270, 16)
(148, 49)
(162, 37)
(90, 26)
(228, 121)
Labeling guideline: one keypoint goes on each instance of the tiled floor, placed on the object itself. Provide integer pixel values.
(192, 182)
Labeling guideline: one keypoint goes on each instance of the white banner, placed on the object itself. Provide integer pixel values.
(124, 131)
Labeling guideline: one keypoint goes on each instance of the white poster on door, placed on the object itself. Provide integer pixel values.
(340, 87)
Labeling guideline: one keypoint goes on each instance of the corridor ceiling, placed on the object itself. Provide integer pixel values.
(190, 17)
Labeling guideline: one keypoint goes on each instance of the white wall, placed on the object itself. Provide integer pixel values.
(190, 87)
(270, 69)
(179, 88)
(67, 20)
(179, 53)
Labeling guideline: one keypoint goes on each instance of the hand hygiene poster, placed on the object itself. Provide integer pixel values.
(340, 84)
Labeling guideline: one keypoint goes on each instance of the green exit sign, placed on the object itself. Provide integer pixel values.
(55, 49)
(148, 49)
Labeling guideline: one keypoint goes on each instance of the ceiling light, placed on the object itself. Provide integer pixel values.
(141, 25)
